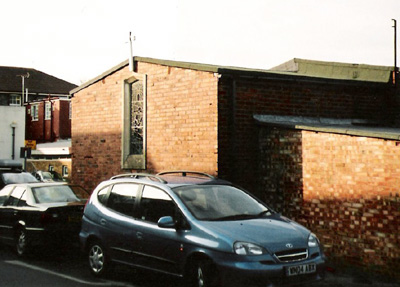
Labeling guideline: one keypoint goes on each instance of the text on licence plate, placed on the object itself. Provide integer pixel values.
(300, 269)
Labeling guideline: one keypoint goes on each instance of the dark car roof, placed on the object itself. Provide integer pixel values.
(10, 164)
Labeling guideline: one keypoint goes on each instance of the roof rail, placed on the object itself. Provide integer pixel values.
(139, 175)
(185, 172)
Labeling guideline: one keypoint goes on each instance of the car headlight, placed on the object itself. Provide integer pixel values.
(313, 240)
(246, 248)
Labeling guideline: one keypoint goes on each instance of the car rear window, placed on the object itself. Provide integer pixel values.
(19, 177)
(59, 193)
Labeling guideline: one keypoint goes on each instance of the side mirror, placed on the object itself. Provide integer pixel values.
(166, 222)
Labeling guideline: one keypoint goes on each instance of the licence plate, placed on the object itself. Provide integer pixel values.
(301, 269)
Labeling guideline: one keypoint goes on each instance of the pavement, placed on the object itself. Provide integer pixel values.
(354, 277)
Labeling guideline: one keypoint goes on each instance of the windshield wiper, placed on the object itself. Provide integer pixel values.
(243, 216)
(234, 217)
(265, 213)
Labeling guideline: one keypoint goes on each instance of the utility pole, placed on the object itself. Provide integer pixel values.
(23, 84)
(130, 52)
(395, 70)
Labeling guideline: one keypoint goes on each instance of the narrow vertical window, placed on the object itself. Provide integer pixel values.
(136, 136)
(47, 111)
(134, 123)
(65, 171)
(35, 112)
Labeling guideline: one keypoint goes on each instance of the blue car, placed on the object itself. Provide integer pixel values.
(198, 227)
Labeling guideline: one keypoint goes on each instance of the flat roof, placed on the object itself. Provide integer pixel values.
(335, 70)
(315, 70)
(352, 127)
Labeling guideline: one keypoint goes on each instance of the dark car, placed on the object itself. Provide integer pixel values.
(11, 172)
(198, 227)
(41, 214)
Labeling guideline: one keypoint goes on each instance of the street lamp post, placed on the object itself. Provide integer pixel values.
(13, 125)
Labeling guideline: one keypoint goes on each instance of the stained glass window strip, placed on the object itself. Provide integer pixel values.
(136, 135)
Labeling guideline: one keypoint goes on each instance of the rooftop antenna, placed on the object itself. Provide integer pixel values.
(395, 70)
(130, 51)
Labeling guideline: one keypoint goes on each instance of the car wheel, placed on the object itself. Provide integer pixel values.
(21, 243)
(202, 274)
(98, 260)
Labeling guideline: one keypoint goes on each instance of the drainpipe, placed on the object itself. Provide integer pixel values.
(13, 125)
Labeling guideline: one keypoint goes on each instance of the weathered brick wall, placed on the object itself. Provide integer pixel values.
(344, 188)
(181, 123)
(352, 197)
(280, 170)
(240, 98)
(181, 119)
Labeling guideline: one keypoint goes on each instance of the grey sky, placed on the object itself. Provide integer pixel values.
(77, 40)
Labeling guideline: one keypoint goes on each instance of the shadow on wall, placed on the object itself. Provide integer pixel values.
(343, 188)
(363, 232)
(97, 157)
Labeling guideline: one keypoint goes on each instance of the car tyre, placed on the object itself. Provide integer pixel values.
(99, 262)
(202, 274)
(21, 243)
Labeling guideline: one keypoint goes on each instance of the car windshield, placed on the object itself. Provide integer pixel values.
(18, 177)
(59, 193)
(220, 202)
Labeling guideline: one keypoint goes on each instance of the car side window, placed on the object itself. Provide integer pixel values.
(123, 197)
(15, 196)
(154, 204)
(4, 194)
(102, 195)
(22, 200)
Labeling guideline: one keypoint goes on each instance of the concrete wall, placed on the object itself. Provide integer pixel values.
(9, 115)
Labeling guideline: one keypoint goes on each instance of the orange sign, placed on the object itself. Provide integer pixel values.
(30, 144)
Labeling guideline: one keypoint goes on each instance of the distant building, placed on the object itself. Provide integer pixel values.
(23, 85)
(48, 120)
(34, 106)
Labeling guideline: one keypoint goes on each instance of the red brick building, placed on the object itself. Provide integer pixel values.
(169, 115)
(48, 125)
(48, 120)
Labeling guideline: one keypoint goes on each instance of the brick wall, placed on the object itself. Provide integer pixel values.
(344, 188)
(352, 197)
(181, 123)
(96, 131)
(240, 98)
(280, 170)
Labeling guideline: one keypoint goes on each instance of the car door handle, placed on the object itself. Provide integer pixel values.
(139, 235)
(103, 221)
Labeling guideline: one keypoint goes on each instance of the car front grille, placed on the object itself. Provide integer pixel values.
(292, 255)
